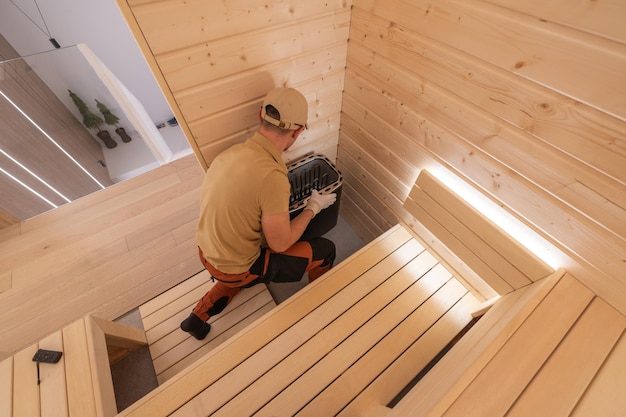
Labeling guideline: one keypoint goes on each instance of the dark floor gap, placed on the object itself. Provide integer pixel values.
(432, 363)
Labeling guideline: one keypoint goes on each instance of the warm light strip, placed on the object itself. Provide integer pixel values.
(35, 175)
(27, 187)
(506, 221)
(52, 140)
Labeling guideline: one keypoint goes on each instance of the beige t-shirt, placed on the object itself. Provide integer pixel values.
(242, 183)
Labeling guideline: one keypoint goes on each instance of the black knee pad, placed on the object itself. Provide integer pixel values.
(323, 249)
(218, 306)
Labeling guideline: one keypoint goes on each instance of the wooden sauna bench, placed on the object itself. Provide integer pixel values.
(357, 337)
(379, 316)
(353, 340)
(547, 346)
(552, 348)
(80, 384)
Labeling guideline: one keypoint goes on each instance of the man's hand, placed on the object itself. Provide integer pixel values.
(319, 202)
(281, 232)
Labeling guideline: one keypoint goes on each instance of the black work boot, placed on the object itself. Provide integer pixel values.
(195, 326)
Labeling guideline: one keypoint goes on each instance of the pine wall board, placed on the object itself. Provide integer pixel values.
(104, 254)
(217, 60)
(602, 18)
(522, 102)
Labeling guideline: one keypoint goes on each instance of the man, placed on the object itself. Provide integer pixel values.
(245, 235)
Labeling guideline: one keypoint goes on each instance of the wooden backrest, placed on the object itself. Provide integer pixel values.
(500, 260)
(551, 348)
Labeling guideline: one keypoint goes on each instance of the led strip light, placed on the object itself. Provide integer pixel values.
(507, 222)
(41, 180)
(82, 168)
(8, 174)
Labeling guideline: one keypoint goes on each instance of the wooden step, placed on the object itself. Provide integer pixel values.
(172, 349)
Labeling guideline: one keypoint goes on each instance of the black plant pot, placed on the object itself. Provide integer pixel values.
(105, 136)
(122, 134)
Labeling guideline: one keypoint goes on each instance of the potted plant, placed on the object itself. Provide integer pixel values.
(93, 121)
(111, 119)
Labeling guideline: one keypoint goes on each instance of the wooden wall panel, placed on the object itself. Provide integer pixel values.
(587, 134)
(223, 57)
(565, 176)
(575, 63)
(222, 125)
(104, 254)
(462, 153)
(603, 18)
(216, 61)
(175, 24)
(520, 100)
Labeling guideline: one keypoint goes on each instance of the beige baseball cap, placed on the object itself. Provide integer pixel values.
(291, 105)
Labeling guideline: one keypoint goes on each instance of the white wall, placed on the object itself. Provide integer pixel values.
(98, 24)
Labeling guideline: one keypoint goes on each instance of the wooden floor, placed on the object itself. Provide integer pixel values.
(172, 349)
(105, 254)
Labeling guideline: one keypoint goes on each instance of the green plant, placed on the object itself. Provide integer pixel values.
(109, 117)
(90, 120)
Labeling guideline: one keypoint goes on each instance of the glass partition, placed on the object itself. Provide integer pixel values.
(69, 128)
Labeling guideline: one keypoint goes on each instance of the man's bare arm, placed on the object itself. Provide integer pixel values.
(280, 233)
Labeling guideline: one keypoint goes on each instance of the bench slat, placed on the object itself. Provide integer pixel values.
(79, 384)
(511, 250)
(170, 335)
(332, 306)
(189, 383)
(483, 269)
(80, 390)
(401, 372)
(223, 337)
(587, 345)
(461, 271)
(120, 335)
(171, 349)
(101, 379)
(368, 336)
(332, 340)
(464, 229)
(6, 387)
(412, 334)
(190, 350)
(446, 381)
(25, 388)
(53, 383)
(512, 368)
(171, 315)
(605, 396)
(495, 256)
(152, 311)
